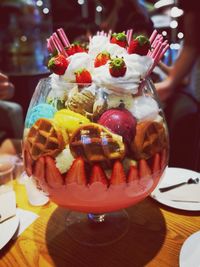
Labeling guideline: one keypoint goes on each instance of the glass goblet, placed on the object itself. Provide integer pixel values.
(95, 153)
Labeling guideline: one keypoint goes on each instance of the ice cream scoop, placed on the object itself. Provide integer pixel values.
(69, 120)
(82, 102)
(40, 111)
(121, 122)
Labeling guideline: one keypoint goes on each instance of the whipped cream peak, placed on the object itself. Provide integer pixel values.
(137, 67)
(97, 44)
(76, 62)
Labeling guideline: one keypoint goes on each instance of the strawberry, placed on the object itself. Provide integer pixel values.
(156, 163)
(83, 76)
(53, 176)
(76, 173)
(118, 175)
(119, 39)
(140, 45)
(74, 48)
(144, 169)
(39, 169)
(98, 175)
(117, 67)
(58, 64)
(28, 162)
(133, 174)
(101, 59)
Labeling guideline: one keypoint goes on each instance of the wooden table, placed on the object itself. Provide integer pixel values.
(154, 239)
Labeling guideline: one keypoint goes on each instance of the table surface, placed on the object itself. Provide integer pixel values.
(154, 239)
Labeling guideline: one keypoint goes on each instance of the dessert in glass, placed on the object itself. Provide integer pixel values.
(95, 137)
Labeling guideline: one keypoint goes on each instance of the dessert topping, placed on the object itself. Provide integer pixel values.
(119, 39)
(58, 64)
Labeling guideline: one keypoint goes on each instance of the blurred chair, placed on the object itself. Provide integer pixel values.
(11, 120)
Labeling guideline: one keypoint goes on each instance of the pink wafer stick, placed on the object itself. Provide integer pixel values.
(49, 46)
(109, 33)
(54, 44)
(156, 49)
(153, 36)
(159, 38)
(158, 57)
(63, 37)
(59, 44)
(159, 51)
(129, 35)
(156, 40)
(153, 46)
(163, 52)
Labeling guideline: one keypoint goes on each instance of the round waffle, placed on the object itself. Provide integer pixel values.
(44, 139)
(150, 138)
(95, 143)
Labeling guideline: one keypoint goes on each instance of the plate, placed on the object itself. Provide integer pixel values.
(190, 251)
(7, 230)
(186, 197)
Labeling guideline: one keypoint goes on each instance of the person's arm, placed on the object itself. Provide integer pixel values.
(185, 61)
(6, 88)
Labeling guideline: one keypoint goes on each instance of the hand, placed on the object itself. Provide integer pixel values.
(6, 88)
(164, 90)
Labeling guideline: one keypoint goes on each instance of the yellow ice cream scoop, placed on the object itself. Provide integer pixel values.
(69, 119)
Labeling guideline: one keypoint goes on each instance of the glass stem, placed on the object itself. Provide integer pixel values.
(97, 218)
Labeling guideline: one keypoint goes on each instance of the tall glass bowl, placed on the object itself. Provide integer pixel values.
(95, 152)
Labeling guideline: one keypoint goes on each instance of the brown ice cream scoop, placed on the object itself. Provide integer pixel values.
(82, 103)
(150, 138)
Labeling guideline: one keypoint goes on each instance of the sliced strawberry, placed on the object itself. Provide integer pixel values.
(164, 159)
(53, 176)
(144, 169)
(118, 175)
(28, 162)
(119, 39)
(76, 173)
(140, 45)
(58, 64)
(74, 48)
(101, 59)
(83, 76)
(156, 163)
(39, 169)
(98, 175)
(133, 174)
(117, 67)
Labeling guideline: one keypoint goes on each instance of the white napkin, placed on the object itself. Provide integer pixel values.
(26, 218)
(7, 205)
(190, 193)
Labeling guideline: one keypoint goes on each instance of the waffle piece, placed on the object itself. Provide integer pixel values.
(96, 144)
(150, 138)
(44, 139)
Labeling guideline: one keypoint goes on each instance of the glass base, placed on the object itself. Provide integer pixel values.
(97, 229)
